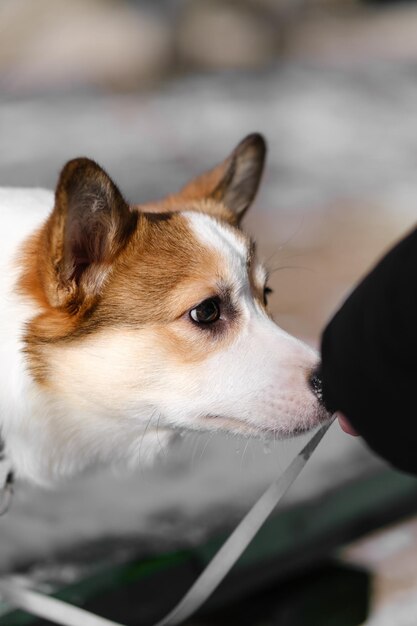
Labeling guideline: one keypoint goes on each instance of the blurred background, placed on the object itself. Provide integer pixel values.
(157, 92)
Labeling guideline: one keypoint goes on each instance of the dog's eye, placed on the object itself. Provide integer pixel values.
(206, 312)
(267, 292)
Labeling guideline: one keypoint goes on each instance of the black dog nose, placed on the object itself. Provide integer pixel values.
(316, 385)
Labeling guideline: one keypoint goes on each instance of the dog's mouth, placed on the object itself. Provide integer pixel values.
(234, 424)
(214, 421)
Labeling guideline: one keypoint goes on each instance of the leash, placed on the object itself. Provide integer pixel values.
(67, 615)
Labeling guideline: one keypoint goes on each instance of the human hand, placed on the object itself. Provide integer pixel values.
(346, 426)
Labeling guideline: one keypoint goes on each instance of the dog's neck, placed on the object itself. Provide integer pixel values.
(22, 211)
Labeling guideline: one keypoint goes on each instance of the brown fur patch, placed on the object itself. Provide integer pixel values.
(162, 255)
(162, 272)
(177, 203)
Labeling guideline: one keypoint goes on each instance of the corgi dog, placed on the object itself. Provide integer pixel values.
(121, 324)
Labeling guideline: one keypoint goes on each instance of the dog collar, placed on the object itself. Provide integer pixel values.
(6, 480)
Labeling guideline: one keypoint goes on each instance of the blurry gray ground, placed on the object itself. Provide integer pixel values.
(341, 185)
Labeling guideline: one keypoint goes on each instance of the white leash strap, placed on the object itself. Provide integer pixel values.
(67, 615)
(241, 537)
(48, 608)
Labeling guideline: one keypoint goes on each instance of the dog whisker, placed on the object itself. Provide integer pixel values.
(289, 239)
(289, 267)
(161, 447)
(209, 437)
(148, 423)
(243, 454)
(196, 446)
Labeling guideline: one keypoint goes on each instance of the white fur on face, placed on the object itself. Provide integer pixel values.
(259, 384)
(256, 386)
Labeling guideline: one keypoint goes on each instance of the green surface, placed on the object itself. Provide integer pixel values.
(296, 528)
(329, 595)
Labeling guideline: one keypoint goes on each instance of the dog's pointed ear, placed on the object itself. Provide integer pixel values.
(242, 175)
(235, 181)
(89, 226)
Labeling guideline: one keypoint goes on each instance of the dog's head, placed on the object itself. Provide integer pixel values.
(156, 315)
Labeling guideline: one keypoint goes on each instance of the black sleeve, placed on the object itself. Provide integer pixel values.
(369, 357)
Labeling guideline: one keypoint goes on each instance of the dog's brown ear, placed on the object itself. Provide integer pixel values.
(89, 226)
(242, 174)
(235, 181)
